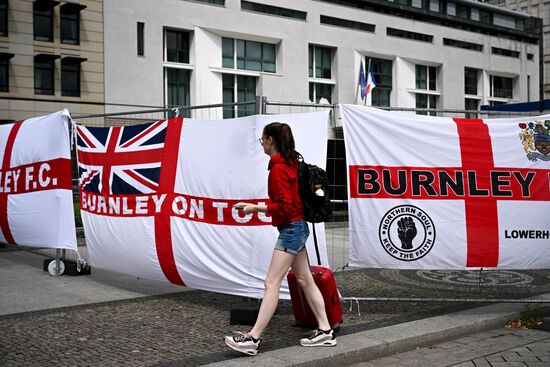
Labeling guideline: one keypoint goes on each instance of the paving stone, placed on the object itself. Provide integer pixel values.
(465, 364)
(519, 358)
(481, 362)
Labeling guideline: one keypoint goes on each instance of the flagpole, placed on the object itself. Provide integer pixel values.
(367, 77)
(357, 86)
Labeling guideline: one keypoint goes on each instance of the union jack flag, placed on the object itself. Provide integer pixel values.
(121, 159)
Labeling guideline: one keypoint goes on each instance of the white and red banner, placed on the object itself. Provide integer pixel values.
(36, 201)
(444, 193)
(157, 199)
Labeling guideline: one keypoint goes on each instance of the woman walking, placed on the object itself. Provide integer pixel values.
(287, 214)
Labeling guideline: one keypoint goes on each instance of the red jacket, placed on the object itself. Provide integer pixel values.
(285, 205)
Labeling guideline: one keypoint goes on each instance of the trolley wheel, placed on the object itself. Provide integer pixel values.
(51, 268)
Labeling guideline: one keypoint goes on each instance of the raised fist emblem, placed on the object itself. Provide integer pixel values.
(406, 230)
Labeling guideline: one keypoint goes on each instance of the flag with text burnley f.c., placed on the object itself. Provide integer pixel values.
(36, 200)
(157, 199)
(447, 193)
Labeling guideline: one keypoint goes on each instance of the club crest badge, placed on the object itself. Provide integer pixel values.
(535, 137)
(407, 233)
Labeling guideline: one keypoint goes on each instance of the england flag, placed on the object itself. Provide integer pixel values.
(447, 193)
(157, 199)
(36, 201)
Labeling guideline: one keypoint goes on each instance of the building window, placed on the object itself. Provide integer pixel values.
(451, 8)
(502, 20)
(474, 14)
(471, 104)
(345, 23)
(4, 71)
(140, 39)
(426, 77)
(462, 44)
(43, 77)
(382, 70)
(485, 17)
(70, 79)
(250, 55)
(3, 18)
(530, 57)
(228, 53)
(317, 91)
(177, 88)
(470, 81)
(434, 6)
(426, 101)
(70, 23)
(213, 2)
(320, 61)
(501, 87)
(410, 35)
(504, 52)
(238, 88)
(320, 67)
(43, 20)
(4, 76)
(462, 11)
(177, 46)
(273, 10)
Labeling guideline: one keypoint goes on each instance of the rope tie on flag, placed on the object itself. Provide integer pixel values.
(72, 133)
(176, 111)
(80, 262)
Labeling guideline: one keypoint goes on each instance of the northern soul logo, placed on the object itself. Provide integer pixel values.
(407, 233)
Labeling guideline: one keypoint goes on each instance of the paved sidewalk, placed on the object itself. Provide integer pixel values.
(26, 287)
(109, 319)
(500, 347)
(387, 341)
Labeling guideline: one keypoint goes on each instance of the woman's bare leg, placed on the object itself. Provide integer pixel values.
(280, 263)
(300, 266)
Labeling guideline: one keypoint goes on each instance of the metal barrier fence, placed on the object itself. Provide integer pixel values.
(480, 285)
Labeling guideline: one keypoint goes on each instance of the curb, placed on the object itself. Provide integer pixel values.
(378, 343)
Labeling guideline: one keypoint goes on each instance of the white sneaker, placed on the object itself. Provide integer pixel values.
(243, 342)
(319, 338)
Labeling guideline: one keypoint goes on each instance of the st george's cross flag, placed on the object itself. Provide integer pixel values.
(36, 200)
(157, 199)
(447, 193)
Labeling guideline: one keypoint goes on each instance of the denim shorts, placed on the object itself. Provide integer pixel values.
(292, 237)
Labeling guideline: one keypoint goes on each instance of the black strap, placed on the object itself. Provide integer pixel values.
(316, 246)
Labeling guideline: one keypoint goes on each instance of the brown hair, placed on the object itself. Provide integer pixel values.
(283, 140)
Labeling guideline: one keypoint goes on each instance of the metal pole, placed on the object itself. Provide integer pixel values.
(258, 105)
(410, 299)
(264, 105)
(57, 261)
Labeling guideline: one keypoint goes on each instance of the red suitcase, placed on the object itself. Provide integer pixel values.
(324, 278)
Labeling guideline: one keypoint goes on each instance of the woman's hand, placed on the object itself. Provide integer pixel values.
(247, 207)
(250, 208)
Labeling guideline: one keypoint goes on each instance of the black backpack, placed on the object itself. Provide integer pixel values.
(317, 208)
